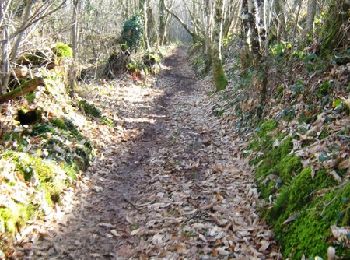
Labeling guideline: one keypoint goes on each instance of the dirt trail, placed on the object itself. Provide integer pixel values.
(173, 187)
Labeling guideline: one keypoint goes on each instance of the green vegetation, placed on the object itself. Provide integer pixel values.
(34, 180)
(219, 76)
(46, 178)
(132, 32)
(92, 111)
(89, 109)
(62, 50)
(306, 203)
(314, 213)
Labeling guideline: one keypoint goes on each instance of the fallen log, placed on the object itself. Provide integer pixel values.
(27, 87)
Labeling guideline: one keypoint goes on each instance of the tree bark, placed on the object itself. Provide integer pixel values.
(184, 25)
(162, 22)
(28, 87)
(281, 23)
(311, 12)
(28, 7)
(219, 76)
(74, 41)
(5, 49)
(334, 34)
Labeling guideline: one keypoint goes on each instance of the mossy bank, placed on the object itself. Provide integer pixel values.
(301, 203)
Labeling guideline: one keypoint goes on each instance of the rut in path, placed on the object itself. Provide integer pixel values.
(170, 186)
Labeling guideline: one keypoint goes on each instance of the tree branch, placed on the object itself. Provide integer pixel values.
(184, 25)
(29, 86)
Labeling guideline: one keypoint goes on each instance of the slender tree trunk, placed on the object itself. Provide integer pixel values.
(28, 7)
(253, 29)
(151, 26)
(334, 33)
(143, 7)
(5, 49)
(74, 41)
(162, 22)
(219, 76)
(311, 12)
(294, 37)
(281, 21)
(208, 38)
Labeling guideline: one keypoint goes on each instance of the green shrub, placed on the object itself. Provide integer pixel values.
(280, 49)
(62, 50)
(132, 32)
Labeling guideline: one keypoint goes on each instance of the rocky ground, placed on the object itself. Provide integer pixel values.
(167, 183)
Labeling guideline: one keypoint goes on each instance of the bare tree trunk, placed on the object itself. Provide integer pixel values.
(28, 7)
(219, 76)
(151, 26)
(253, 29)
(208, 38)
(294, 37)
(281, 22)
(184, 25)
(5, 49)
(334, 33)
(162, 22)
(311, 12)
(143, 6)
(74, 41)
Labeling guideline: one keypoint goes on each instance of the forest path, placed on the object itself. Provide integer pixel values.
(169, 185)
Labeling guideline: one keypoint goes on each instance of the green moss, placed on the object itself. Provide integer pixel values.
(107, 121)
(11, 219)
(59, 123)
(314, 215)
(266, 127)
(72, 129)
(288, 167)
(276, 168)
(41, 129)
(62, 50)
(219, 76)
(46, 172)
(89, 109)
(30, 97)
(71, 170)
